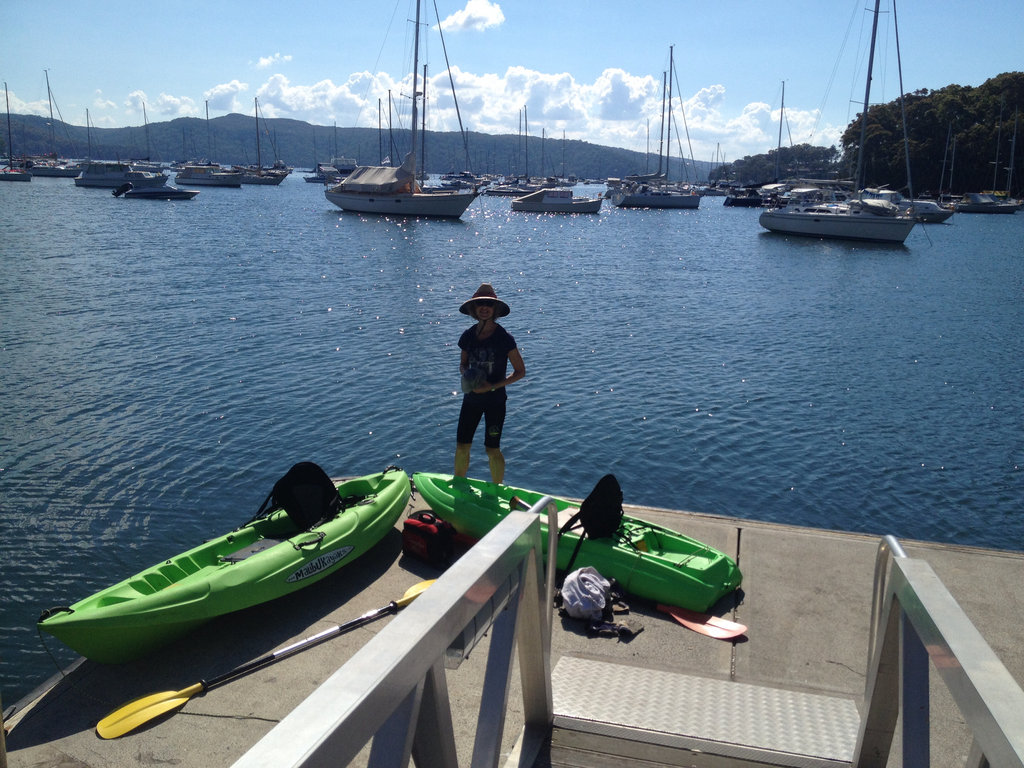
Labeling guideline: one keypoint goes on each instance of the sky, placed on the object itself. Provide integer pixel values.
(584, 69)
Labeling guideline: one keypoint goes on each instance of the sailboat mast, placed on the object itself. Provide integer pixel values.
(903, 104)
(1013, 149)
(945, 154)
(423, 128)
(661, 131)
(145, 121)
(49, 98)
(867, 101)
(10, 134)
(256, 114)
(415, 82)
(999, 138)
(782, 116)
(668, 137)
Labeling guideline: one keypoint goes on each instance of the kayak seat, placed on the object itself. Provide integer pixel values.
(600, 514)
(307, 495)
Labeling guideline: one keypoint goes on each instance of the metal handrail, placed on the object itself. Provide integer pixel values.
(393, 692)
(915, 620)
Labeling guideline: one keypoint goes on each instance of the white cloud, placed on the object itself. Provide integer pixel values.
(478, 15)
(269, 61)
(224, 97)
(176, 106)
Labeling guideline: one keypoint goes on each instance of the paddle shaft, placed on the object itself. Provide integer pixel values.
(301, 645)
(142, 710)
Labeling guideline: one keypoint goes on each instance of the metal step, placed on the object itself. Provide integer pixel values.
(608, 713)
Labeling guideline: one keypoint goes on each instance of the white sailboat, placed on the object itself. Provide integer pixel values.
(394, 191)
(656, 192)
(810, 213)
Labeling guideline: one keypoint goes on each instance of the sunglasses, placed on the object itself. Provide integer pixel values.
(484, 303)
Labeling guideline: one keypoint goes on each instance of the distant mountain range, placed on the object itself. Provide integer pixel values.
(231, 139)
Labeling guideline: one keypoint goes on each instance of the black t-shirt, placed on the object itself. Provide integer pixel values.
(489, 355)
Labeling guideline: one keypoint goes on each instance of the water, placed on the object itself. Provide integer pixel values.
(164, 363)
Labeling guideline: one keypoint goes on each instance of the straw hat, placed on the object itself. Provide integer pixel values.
(484, 293)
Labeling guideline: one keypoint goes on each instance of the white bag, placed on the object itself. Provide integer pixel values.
(585, 593)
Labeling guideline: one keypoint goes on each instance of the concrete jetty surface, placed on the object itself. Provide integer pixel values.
(806, 598)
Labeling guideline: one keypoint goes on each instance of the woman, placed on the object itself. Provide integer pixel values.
(487, 349)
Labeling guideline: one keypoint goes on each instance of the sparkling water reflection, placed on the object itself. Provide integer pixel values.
(164, 363)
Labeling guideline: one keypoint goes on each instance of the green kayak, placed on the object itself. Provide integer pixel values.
(647, 560)
(308, 528)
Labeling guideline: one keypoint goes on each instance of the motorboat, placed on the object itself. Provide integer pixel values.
(809, 212)
(324, 174)
(208, 175)
(978, 202)
(925, 211)
(556, 201)
(54, 168)
(113, 175)
(745, 197)
(165, 192)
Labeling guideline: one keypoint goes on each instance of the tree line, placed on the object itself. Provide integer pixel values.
(961, 139)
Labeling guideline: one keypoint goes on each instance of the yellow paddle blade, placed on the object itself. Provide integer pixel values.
(413, 592)
(142, 710)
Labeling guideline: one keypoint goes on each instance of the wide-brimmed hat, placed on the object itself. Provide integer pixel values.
(484, 293)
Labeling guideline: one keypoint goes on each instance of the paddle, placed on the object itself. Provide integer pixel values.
(712, 626)
(135, 713)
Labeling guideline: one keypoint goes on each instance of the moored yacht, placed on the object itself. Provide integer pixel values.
(394, 191)
(113, 175)
(809, 212)
(208, 175)
(978, 202)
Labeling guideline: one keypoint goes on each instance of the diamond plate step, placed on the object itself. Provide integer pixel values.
(608, 713)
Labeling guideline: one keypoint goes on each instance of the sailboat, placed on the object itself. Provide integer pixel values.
(811, 212)
(10, 173)
(394, 191)
(50, 165)
(655, 191)
(258, 174)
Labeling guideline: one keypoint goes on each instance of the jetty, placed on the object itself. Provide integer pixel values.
(859, 649)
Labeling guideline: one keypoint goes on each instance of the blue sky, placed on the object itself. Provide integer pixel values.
(591, 69)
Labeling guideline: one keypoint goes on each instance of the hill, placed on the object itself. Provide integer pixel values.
(231, 139)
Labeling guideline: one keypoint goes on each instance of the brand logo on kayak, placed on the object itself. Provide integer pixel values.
(322, 563)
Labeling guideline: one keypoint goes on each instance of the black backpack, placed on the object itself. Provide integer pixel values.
(601, 512)
(307, 494)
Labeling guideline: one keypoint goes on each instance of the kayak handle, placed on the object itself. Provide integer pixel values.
(54, 611)
(314, 542)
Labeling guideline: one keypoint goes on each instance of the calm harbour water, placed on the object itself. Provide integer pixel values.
(164, 363)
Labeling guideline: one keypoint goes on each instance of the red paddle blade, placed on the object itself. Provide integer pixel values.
(712, 626)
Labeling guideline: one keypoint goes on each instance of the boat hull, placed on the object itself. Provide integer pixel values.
(547, 201)
(160, 193)
(655, 200)
(257, 562)
(878, 229)
(649, 561)
(445, 205)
